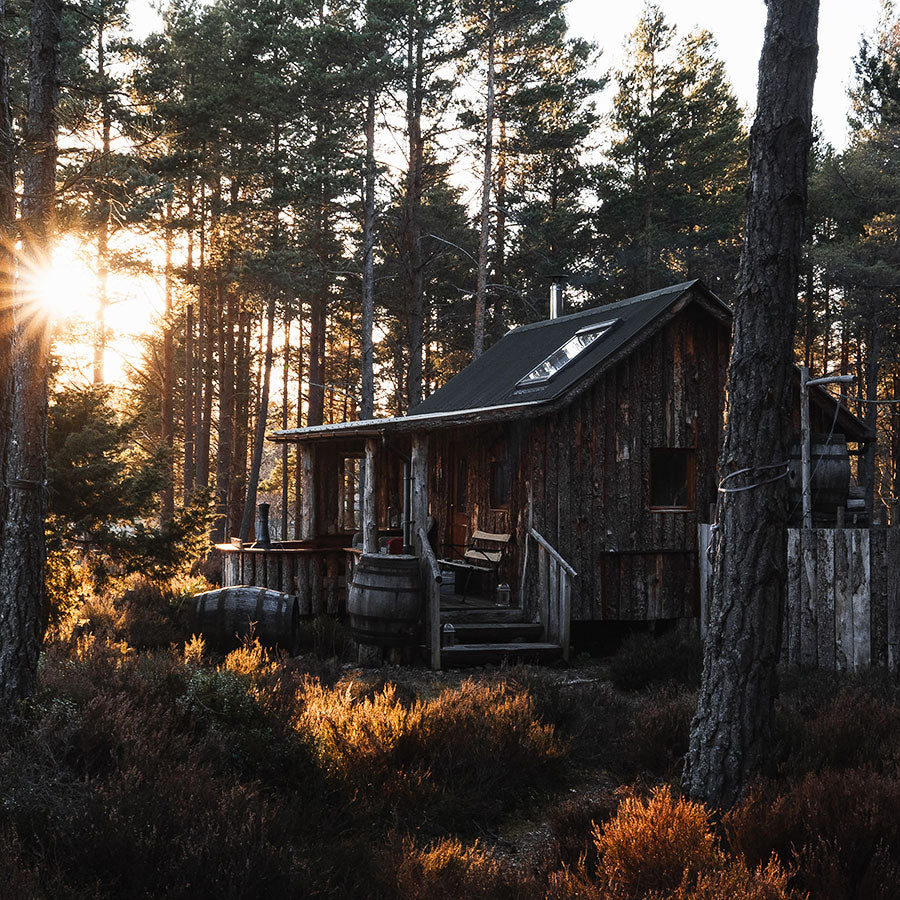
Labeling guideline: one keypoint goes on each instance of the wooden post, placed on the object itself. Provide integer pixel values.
(418, 503)
(308, 492)
(804, 447)
(419, 487)
(369, 530)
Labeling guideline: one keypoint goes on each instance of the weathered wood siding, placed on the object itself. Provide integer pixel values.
(843, 599)
(588, 468)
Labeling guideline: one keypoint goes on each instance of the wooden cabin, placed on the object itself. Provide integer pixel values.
(591, 439)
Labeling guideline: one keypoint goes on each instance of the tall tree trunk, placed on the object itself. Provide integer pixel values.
(298, 482)
(315, 412)
(367, 404)
(241, 428)
(731, 730)
(870, 410)
(262, 416)
(486, 184)
(203, 405)
(895, 451)
(104, 210)
(22, 553)
(167, 431)
(285, 404)
(413, 207)
(809, 326)
(188, 470)
(226, 409)
(497, 323)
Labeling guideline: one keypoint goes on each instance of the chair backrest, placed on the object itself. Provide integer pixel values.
(487, 547)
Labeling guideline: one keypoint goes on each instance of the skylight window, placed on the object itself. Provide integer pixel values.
(559, 359)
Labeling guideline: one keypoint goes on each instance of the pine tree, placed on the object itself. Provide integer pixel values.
(671, 191)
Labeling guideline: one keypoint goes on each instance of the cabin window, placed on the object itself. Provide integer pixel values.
(671, 479)
(571, 349)
(499, 483)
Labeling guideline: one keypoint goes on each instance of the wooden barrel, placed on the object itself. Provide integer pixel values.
(385, 601)
(830, 469)
(227, 616)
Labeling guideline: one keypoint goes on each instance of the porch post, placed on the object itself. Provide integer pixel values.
(431, 575)
(419, 488)
(307, 492)
(369, 530)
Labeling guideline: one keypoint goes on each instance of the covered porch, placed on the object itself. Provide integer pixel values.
(365, 489)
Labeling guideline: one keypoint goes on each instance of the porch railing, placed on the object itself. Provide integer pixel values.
(318, 576)
(431, 580)
(554, 593)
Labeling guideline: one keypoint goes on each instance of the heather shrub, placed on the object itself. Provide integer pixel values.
(736, 882)
(659, 730)
(664, 848)
(144, 613)
(645, 659)
(326, 638)
(572, 825)
(829, 734)
(590, 712)
(655, 845)
(842, 828)
(476, 747)
(448, 870)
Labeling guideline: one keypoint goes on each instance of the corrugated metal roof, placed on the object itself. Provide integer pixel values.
(492, 379)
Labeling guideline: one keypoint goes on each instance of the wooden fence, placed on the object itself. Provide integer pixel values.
(842, 608)
(318, 577)
(843, 599)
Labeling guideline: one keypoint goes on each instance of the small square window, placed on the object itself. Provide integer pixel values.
(671, 479)
(499, 483)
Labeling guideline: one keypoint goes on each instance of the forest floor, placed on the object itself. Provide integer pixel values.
(146, 765)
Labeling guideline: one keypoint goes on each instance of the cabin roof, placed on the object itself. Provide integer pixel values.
(488, 389)
(492, 379)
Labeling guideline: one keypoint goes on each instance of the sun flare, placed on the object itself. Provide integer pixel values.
(66, 289)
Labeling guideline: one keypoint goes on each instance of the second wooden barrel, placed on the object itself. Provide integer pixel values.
(384, 603)
(830, 470)
(226, 616)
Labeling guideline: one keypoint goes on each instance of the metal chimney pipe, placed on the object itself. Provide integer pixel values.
(556, 300)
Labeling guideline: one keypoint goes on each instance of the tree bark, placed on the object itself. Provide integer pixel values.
(367, 404)
(487, 181)
(415, 91)
(731, 729)
(22, 553)
(286, 373)
(188, 469)
(260, 435)
(870, 410)
(226, 411)
(104, 212)
(167, 405)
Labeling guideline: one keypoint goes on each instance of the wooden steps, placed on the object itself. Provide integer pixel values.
(493, 634)
(497, 632)
(479, 654)
(480, 614)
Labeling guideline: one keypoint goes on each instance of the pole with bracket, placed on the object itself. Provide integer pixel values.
(805, 436)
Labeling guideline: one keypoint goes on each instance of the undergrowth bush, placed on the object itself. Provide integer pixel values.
(645, 659)
(664, 848)
(449, 870)
(842, 829)
(659, 730)
(478, 748)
